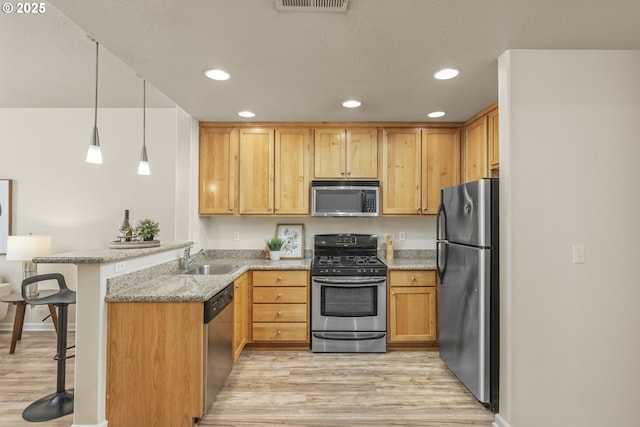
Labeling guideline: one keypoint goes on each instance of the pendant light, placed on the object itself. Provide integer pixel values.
(143, 166)
(94, 155)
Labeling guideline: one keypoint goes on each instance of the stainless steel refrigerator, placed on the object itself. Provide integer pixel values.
(468, 268)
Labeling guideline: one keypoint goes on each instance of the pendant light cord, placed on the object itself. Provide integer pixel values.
(144, 113)
(95, 117)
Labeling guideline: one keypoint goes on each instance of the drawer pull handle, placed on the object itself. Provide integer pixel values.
(279, 313)
(278, 295)
(413, 279)
(279, 332)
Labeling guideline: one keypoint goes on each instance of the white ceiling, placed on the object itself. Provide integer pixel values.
(292, 66)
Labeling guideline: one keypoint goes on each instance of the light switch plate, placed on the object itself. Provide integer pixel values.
(578, 254)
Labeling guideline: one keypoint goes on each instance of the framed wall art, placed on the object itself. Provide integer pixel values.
(5, 213)
(293, 236)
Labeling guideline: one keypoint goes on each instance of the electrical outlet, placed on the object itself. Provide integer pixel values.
(236, 235)
(120, 266)
(578, 254)
(402, 235)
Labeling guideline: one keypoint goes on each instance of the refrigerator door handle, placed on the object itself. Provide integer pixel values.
(441, 268)
(441, 221)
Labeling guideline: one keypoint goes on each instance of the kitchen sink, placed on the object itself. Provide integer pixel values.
(212, 269)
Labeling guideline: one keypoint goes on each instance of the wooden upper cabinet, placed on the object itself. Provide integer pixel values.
(274, 171)
(218, 171)
(440, 165)
(292, 171)
(346, 153)
(494, 142)
(475, 152)
(256, 172)
(401, 174)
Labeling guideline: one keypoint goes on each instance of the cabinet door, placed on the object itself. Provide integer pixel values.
(292, 174)
(475, 152)
(362, 153)
(240, 314)
(329, 154)
(440, 165)
(256, 171)
(412, 314)
(218, 171)
(155, 359)
(494, 145)
(401, 160)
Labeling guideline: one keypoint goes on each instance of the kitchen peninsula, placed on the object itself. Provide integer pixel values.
(95, 268)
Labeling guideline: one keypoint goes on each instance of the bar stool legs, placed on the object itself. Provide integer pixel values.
(59, 403)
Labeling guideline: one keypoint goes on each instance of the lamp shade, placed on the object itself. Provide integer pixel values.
(25, 248)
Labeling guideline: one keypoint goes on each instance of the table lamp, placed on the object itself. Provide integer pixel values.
(25, 248)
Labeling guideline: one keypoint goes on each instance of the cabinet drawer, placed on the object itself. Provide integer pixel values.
(279, 312)
(412, 278)
(280, 295)
(280, 332)
(280, 278)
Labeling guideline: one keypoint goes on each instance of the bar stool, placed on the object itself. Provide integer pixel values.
(59, 403)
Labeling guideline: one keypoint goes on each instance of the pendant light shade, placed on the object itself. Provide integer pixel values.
(143, 166)
(94, 155)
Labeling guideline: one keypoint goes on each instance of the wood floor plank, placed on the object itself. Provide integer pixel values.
(299, 388)
(287, 388)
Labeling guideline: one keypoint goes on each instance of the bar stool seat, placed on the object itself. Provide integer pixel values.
(21, 308)
(59, 403)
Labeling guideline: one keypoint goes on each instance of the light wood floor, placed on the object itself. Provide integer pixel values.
(309, 389)
(291, 388)
(29, 374)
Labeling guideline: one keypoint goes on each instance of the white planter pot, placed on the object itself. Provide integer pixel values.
(274, 255)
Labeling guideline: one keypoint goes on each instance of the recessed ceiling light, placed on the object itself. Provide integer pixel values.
(352, 103)
(436, 114)
(446, 74)
(246, 114)
(216, 74)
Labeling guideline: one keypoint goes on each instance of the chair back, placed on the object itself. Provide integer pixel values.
(62, 284)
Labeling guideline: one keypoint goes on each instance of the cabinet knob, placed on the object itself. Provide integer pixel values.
(279, 278)
(393, 294)
(278, 295)
(413, 279)
(230, 209)
(279, 332)
(237, 286)
(279, 313)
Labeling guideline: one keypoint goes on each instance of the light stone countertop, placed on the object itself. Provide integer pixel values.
(174, 287)
(167, 285)
(105, 256)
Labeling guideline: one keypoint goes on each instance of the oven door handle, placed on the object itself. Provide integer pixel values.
(341, 336)
(349, 281)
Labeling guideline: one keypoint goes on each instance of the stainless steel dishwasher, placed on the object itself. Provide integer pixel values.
(218, 316)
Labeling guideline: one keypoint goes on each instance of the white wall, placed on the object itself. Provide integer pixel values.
(218, 232)
(80, 205)
(570, 147)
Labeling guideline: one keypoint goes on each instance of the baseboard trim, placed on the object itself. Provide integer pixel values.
(102, 424)
(35, 327)
(500, 422)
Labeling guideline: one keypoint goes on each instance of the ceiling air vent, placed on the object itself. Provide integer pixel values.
(312, 5)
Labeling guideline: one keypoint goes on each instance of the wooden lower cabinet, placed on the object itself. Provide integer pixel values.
(155, 364)
(280, 309)
(240, 314)
(412, 307)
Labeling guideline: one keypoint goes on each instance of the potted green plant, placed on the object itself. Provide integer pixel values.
(275, 245)
(147, 229)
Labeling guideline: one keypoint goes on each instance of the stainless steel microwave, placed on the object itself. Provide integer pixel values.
(345, 198)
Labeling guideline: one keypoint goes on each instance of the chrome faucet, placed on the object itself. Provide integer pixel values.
(189, 259)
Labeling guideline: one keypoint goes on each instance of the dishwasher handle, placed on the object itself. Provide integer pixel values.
(214, 305)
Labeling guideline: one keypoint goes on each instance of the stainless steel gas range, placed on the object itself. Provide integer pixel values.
(348, 295)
